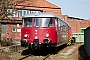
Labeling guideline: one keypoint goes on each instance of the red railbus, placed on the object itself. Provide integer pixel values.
(43, 30)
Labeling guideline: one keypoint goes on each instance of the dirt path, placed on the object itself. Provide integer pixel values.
(74, 52)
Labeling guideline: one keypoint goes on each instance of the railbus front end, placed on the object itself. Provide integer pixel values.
(43, 30)
(38, 32)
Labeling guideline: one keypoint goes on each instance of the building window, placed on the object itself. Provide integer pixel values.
(35, 11)
(14, 30)
(16, 14)
(28, 12)
(82, 30)
(13, 13)
(24, 12)
(9, 11)
(3, 28)
(20, 13)
(18, 30)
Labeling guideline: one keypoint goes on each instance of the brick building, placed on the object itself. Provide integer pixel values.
(78, 25)
(13, 26)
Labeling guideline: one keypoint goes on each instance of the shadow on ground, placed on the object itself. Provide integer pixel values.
(44, 51)
(82, 53)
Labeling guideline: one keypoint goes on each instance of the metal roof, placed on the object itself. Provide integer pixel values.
(43, 14)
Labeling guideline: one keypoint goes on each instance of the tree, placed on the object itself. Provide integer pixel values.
(4, 6)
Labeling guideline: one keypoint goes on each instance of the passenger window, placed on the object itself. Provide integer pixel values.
(55, 22)
(58, 23)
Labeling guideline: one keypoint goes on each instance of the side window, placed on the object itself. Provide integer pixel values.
(64, 28)
(61, 23)
(55, 22)
(58, 22)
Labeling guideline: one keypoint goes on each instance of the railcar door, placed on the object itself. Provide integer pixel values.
(58, 31)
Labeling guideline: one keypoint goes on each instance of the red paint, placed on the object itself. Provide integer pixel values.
(69, 33)
(41, 34)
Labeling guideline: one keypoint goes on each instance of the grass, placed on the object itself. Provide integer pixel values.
(16, 55)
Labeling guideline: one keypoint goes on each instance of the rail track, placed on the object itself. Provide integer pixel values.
(32, 56)
(29, 55)
(25, 57)
(46, 57)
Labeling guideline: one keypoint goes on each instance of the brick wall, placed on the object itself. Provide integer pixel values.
(76, 23)
(14, 35)
(85, 23)
(75, 26)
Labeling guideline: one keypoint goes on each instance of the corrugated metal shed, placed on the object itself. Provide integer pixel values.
(87, 40)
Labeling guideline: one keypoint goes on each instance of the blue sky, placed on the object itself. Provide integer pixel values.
(74, 8)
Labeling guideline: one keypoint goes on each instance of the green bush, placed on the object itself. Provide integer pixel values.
(6, 43)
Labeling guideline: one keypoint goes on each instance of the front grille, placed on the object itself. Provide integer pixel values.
(45, 41)
(36, 42)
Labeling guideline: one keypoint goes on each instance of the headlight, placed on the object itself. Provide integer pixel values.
(47, 35)
(26, 35)
(36, 37)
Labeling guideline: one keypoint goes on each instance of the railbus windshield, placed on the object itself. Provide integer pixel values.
(27, 22)
(39, 22)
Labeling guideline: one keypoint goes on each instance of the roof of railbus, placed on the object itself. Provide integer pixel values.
(43, 14)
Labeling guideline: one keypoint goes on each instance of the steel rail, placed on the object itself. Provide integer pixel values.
(25, 57)
(46, 57)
